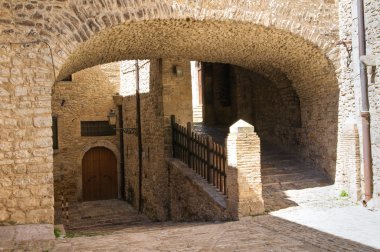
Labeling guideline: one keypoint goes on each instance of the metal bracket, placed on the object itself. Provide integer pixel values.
(128, 131)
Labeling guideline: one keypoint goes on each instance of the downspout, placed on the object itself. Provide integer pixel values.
(138, 122)
(122, 184)
(367, 155)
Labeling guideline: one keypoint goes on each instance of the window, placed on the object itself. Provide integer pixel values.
(68, 78)
(96, 128)
(55, 132)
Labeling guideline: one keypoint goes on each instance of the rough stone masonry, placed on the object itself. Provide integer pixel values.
(312, 43)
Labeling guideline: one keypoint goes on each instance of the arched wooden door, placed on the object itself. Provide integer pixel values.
(99, 174)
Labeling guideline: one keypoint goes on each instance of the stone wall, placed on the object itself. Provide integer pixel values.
(88, 97)
(272, 105)
(26, 160)
(154, 174)
(191, 197)
(81, 35)
(219, 88)
(372, 12)
(177, 92)
(167, 94)
(350, 98)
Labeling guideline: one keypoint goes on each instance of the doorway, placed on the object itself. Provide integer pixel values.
(99, 168)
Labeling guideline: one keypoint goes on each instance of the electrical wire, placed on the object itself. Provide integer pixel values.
(35, 42)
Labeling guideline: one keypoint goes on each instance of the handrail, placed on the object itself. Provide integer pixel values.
(206, 157)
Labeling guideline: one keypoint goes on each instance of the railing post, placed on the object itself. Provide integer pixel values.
(188, 144)
(244, 187)
(209, 158)
(172, 122)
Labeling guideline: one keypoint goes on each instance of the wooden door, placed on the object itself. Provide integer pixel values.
(99, 174)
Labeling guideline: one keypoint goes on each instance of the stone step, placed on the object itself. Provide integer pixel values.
(290, 177)
(77, 222)
(295, 185)
(285, 169)
(105, 222)
(282, 162)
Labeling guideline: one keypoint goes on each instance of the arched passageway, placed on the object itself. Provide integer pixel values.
(284, 59)
(284, 66)
(256, 36)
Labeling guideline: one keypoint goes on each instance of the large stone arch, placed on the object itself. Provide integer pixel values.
(276, 54)
(294, 39)
(66, 24)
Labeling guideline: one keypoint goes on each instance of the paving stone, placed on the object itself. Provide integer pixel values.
(263, 233)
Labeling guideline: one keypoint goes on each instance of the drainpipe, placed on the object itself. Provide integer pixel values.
(138, 122)
(367, 155)
(122, 185)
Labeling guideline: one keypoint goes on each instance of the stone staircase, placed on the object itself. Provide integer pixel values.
(105, 215)
(197, 114)
(282, 171)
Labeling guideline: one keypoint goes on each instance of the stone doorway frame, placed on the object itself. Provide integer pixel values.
(99, 143)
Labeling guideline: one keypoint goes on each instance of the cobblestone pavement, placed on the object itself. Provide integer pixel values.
(261, 233)
(102, 215)
(306, 214)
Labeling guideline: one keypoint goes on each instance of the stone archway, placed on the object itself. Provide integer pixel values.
(66, 34)
(278, 55)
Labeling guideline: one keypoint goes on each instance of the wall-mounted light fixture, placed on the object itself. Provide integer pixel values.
(112, 118)
(178, 71)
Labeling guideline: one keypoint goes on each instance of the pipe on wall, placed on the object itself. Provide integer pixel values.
(139, 135)
(122, 173)
(367, 153)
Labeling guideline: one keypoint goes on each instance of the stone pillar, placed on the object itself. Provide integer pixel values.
(244, 188)
(26, 153)
(348, 174)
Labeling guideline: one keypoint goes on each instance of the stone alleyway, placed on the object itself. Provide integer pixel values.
(281, 171)
(305, 214)
(262, 233)
(295, 195)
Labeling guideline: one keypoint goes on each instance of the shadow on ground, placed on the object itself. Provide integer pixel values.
(260, 233)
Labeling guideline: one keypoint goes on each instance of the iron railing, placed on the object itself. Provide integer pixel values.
(200, 153)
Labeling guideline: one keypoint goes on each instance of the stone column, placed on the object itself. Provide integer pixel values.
(244, 188)
(26, 153)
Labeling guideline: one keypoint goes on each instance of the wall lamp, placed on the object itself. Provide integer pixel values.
(112, 118)
(178, 71)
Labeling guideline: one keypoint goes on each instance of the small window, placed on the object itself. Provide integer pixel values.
(96, 128)
(55, 132)
(68, 78)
